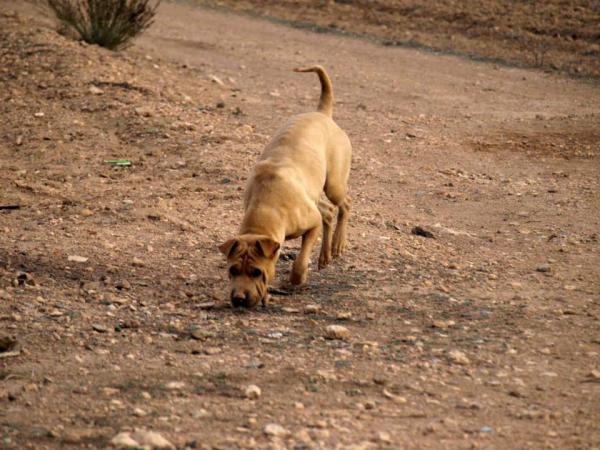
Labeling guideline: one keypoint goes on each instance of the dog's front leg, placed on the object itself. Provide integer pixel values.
(300, 268)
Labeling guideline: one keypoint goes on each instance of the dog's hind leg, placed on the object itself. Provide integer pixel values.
(326, 211)
(339, 237)
(336, 192)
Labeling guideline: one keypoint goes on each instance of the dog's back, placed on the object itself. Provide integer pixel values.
(308, 145)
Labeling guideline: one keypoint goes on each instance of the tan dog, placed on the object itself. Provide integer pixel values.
(308, 155)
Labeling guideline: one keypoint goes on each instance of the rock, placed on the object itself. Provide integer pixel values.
(543, 268)
(24, 279)
(384, 437)
(302, 436)
(7, 343)
(99, 328)
(212, 351)
(201, 413)
(217, 80)
(420, 231)
(137, 262)
(594, 375)
(370, 404)
(344, 315)
(275, 430)
(152, 439)
(39, 114)
(337, 332)
(139, 412)
(110, 391)
(326, 375)
(144, 111)
(205, 305)
(458, 357)
(94, 90)
(78, 436)
(123, 284)
(252, 392)
(311, 309)
(124, 440)
(251, 422)
(77, 258)
(395, 398)
(442, 324)
(175, 385)
(199, 334)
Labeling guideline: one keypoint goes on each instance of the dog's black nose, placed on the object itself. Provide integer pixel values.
(239, 299)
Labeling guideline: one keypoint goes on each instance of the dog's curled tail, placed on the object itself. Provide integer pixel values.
(326, 100)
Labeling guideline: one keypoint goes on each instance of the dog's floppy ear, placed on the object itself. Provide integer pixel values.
(267, 246)
(228, 246)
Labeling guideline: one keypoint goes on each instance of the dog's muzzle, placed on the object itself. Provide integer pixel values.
(241, 299)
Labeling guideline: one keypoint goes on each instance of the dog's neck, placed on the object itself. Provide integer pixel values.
(264, 221)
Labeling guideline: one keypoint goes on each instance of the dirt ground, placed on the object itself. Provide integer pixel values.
(485, 335)
(551, 35)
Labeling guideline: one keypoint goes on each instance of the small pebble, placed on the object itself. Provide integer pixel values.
(99, 328)
(311, 309)
(337, 332)
(275, 430)
(138, 262)
(252, 392)
(152, 439)
(458, 357)
(175, 385)
(384, 437)
(124, 440)
(77, 258)
(139, 412)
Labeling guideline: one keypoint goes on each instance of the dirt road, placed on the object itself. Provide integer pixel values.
(484, 336)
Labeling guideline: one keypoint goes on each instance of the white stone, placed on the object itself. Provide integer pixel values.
(275, 430)
(124, 440)
(175, 385)
(458, 357)
(252, 392)
(337, 332)
(77, 258)
(152, 439)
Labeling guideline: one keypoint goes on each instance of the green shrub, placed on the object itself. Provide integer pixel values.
(108, 23)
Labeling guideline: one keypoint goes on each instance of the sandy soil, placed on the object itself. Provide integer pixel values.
(552, 35)
(485, 336)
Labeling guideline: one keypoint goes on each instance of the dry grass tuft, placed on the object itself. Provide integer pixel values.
(108, 23)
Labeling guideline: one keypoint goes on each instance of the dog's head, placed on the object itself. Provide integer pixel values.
(251, 263)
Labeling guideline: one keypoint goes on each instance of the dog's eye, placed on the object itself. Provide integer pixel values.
(255, 273)
(234, 271)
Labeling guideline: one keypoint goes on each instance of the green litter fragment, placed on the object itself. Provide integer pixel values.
(118, 162)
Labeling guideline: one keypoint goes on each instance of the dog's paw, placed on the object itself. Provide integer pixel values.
(298, 278)
(339, 247)
(324, 260)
